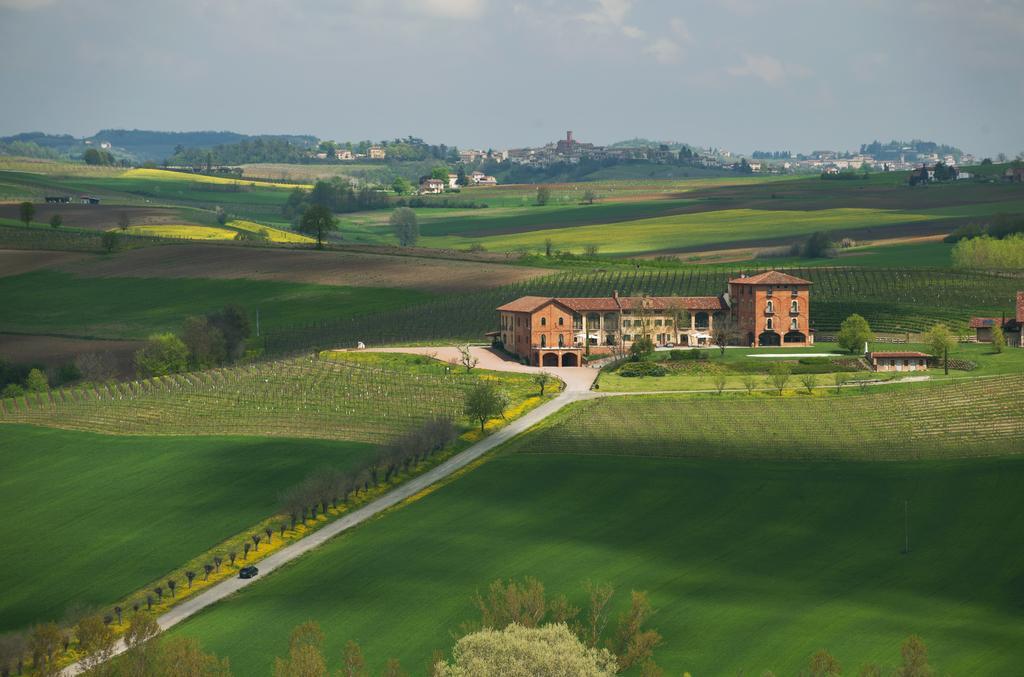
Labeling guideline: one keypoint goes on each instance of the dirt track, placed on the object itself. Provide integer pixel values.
(295, 265)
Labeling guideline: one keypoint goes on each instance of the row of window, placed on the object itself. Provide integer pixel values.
(794, 306)
(769, 324)
(544, 341)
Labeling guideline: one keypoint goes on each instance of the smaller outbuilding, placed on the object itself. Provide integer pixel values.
(1013, 327)
(58, 199)
(898, 361)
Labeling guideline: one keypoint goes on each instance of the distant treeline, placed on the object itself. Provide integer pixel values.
(259, 149)
(891, 150)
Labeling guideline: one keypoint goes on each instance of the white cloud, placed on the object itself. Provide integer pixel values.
(664, 50)
(633, 32)
(680, 30)
(767, 68)
(608, 12)
(448, 9)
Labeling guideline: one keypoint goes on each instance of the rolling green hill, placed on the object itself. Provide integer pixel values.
(751, 566)
(88, 518)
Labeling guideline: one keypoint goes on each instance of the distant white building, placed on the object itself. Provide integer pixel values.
(432, 186)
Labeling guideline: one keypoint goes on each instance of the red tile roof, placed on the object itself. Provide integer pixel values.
(771, 277)
(525, 304)
(589, 304)
(982, 322)
(899, 354)
(667, 302)
(611, 304)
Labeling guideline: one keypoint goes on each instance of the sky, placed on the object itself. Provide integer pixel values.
(741, 75)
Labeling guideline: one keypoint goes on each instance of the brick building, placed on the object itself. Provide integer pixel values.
(898, 361)
(771, 309)
(1013, 327)
(558, 332)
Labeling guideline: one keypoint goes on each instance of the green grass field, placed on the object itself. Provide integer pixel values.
(751, 566)
(686, 230)
(736, 363)
(931, 423)
(88, 518)
(52, 302)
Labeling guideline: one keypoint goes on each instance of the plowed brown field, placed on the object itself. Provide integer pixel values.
(17, 261)
(313, 267)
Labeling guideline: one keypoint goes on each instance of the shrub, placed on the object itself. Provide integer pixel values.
(12, 390)
(679, 355)
(641, 369)
(641, 348)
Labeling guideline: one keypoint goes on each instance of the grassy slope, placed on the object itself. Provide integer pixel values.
(60, 303)
(855, 426)
(751, 566)
(89, 517)
(687, 375)
(684, 230)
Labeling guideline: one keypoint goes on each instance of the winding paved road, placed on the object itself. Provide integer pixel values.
(578, 382)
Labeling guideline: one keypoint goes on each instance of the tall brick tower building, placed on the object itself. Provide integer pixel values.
(772, 309)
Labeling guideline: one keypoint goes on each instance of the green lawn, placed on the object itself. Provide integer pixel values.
(89, 518)
(43, 302)
(899, 422)
(737, 362)
(751, 566)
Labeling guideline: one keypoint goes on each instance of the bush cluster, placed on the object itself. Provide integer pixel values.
(641, 369)
(680, 355)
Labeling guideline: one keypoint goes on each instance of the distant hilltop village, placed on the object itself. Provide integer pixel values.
(892, 156)
(564, 159)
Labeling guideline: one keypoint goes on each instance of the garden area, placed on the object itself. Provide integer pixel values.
(799, 370)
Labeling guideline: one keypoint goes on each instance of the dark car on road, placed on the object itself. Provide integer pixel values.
(248, 572)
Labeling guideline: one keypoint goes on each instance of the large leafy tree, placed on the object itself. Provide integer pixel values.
(485, 402)
(854, 332)
(317, 220)
(26, 212)
(941, 342)
(406, 227)
(520, 651)
(163, 354)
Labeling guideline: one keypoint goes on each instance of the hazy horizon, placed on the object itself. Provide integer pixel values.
(737, 74)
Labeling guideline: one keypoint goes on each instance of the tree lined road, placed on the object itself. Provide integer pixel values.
(577, 387)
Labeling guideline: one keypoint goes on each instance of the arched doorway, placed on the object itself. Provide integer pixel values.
(549, 360)
(570, 360)
(769, 338)
(794, 337)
